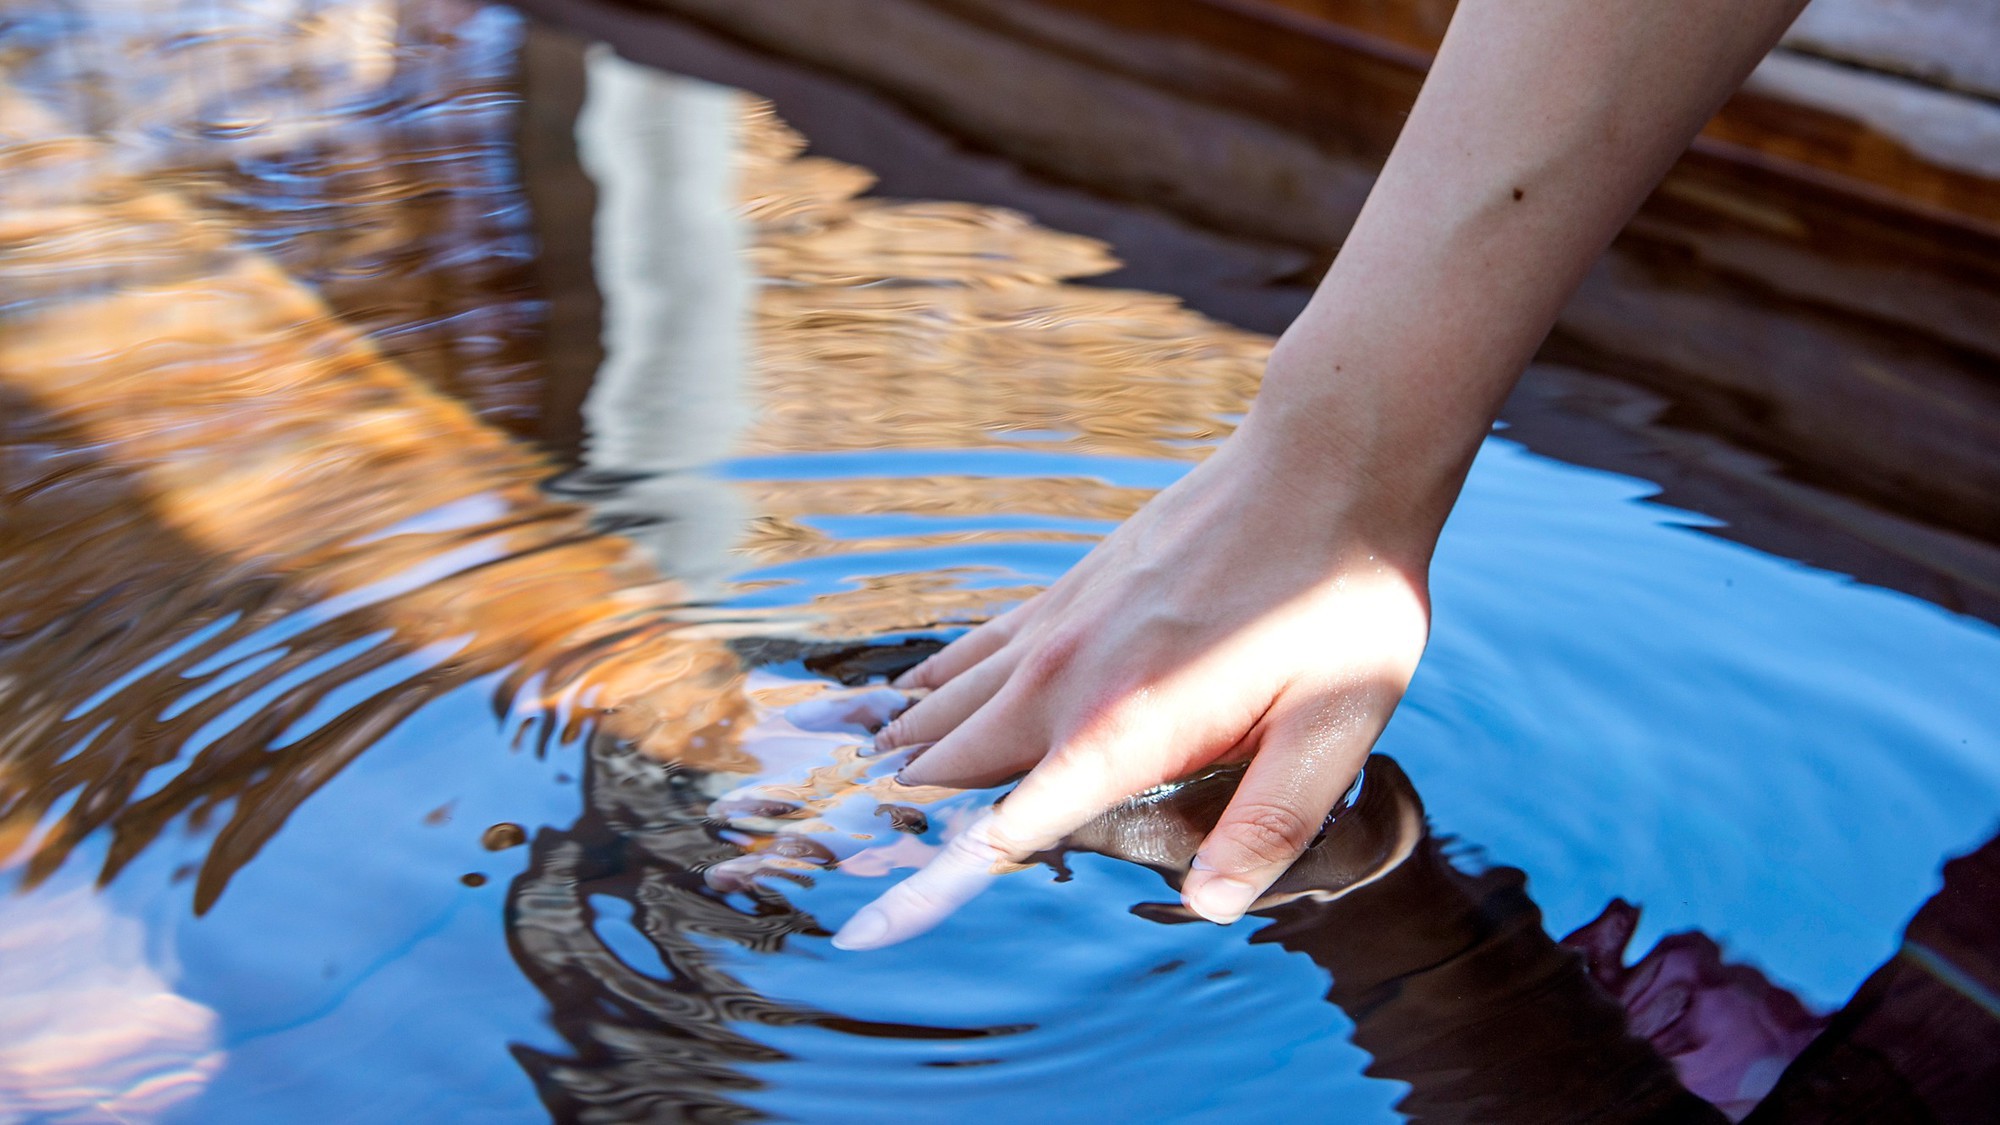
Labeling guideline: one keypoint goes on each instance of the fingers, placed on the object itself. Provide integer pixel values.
(1305, 761)
(991, 743)
(944, 665)
(1079, 781)
(1068, 789)
(951, 879)
(941, 712)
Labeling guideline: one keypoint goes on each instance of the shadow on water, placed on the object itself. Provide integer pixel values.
(289, 597)
(658, 1040)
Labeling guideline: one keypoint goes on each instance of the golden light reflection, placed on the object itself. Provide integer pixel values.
(221, 496)
(883, 326)
(948, 326)
(260, 506)
(946, 494)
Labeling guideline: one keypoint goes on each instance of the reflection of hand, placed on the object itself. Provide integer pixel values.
(1250, 611)
(1726, 1028)
(1379, 826)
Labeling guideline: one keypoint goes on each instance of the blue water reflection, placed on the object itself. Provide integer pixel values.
(1615, 701)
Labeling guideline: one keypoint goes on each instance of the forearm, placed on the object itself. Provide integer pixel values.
(1542, 126)
(1216, 621)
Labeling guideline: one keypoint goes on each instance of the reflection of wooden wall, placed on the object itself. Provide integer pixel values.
(364, 145)
(1818, 279)
(1953, 44)
(239, 543)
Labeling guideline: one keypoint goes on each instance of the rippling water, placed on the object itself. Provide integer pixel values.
(362, 762)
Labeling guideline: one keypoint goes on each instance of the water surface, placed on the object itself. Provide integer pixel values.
(298, 621)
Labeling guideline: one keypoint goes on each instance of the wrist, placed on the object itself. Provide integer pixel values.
(1367, 444)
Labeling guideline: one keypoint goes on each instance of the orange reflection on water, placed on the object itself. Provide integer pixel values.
(259, 504)
(929, 325)
(267, 343)
(241, 544)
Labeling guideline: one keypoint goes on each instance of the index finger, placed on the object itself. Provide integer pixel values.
(1062, 794)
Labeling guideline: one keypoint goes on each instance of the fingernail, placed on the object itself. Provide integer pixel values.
(1221, 899)
(866, 930)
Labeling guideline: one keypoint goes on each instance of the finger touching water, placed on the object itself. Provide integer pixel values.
(942, 711)
(1306, 756)
(1056, 798)
(1172, 647)
(1310, 748)
(968, 650)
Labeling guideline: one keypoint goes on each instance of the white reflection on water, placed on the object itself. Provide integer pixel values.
(92, 1029)
(670, 266)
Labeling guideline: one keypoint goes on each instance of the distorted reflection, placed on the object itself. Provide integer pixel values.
(1432, 963)
(266, 329)
(656, 1029)
(91, 1030)
(274, 352)
(243, 543)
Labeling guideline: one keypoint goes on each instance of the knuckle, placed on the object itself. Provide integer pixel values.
(914, 897)
(1078, 777)
(896, 733)
(1083, 760)
(1004, 842)
(1052, 660)
(924, 675)
(1004, 627)
(1109, 723)
(1265, 833)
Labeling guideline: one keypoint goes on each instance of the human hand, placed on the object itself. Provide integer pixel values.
(1257, 609)
(1272, 604)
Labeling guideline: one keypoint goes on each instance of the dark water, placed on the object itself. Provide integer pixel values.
(361, 761)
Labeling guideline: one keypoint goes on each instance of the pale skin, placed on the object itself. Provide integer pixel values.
(1273, 604)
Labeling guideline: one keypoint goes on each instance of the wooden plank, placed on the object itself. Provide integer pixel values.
(1833, 300)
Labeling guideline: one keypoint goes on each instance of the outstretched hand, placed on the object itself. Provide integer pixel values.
(1272, 604)
(1249, 611)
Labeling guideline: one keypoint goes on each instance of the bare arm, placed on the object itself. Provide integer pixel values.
(1542, 126)
(1273, 603)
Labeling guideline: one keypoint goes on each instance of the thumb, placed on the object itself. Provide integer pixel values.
(1307, 756)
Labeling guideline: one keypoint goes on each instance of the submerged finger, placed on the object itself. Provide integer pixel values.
(1057, 797)
(952, 878)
